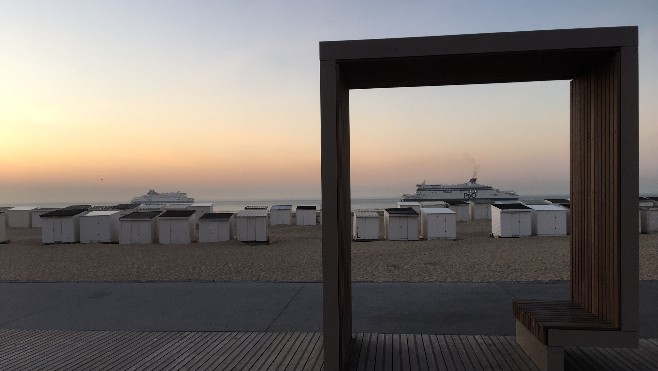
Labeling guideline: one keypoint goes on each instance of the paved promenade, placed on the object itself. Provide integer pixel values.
(427, 308)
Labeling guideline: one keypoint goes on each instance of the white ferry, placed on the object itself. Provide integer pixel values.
(153, 197)
(465, 191)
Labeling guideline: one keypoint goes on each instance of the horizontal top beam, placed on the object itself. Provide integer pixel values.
(580, 38)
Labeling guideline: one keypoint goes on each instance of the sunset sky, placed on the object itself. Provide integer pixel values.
(102, 100)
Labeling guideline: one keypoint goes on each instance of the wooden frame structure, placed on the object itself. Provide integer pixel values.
(603, 68)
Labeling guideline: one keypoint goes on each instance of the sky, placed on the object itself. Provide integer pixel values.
(101, 101)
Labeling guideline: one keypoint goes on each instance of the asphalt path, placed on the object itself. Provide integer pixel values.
(436, 308)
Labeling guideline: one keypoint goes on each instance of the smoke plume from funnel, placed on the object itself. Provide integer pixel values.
(472, 164)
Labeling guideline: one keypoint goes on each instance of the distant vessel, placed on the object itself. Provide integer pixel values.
(465, 191)
(153, 197)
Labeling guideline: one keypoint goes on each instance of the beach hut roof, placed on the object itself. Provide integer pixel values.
(125, 206)
(63, 213)
(511, 206)
(255, 207)
(281, 207)
(252, 213)
(306, 207)
(204, 204)
(404, 211)
(366, 214)
(23, 208)
(456, 202)
(216, 216)
(86, 207)
(177, 214)
(141, 215)
(102, 213)
(557, 200)
(479, 202)
(547, 208)
(438, 210)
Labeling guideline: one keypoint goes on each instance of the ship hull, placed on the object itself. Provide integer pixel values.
(418, 199)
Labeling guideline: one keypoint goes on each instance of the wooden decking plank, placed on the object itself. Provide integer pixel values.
(413, 353)
(429, 352)
(277, 343)
(315, 358)
(491, 359)
(137, 341)
(248, 346)
(296, 347)
(371, 354)
(275, 351)
(420, 351)
(461, 352)
(388, 352)
(279, 357)
(637, 356)
(355, 351)
(253, 352)
(503, 352)
(218, 357)
(595, 357)
(478, 363)
(396, 350)
(210, 351)
(381, 349)
(153, 357)
(176, 349)
(186, 352)
(227, 356)
(437, 353)
(65, 345)
(577, 360)
(651, 345)
(147, 346)
(516, 353)
(619, 358)
(404, 352)
(450, 356)
(115, 346)
(29, 347)
(303, 356)
(25, 339)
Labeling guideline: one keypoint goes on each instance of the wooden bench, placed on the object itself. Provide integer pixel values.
(543, 328)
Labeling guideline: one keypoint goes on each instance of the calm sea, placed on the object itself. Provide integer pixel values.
(365, 203)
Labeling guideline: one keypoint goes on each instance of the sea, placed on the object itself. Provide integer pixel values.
(358, 203)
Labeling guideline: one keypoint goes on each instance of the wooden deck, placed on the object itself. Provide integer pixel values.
(115, 350)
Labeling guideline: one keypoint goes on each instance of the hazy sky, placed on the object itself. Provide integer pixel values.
(103, 100)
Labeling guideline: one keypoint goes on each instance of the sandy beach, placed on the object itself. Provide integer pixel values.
(294, 255)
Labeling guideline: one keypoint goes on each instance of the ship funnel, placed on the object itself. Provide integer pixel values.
(473, 180)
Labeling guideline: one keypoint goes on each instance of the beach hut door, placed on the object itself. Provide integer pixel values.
(57, 230)
(516, 224)
(403, 229)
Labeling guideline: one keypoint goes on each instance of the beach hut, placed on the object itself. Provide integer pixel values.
(433, 204)
(649, 220)
(215, 227)
(3, 228)
(511, 220)
(548, 220)
(201, 208)
(281, 215)
(438, 222)
(558, 201)
(35, 215)
(138, 228)
(365, 226)
(461, 209)
(479, 209)
(176, 227)
(414, 205)
(255, 207)
(306, 215)
(401, 224)
(61, 226)
(20, 216)
(646, 202)
(252, 225)
(100, 226)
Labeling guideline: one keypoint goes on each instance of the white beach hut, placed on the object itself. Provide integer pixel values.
(414, 205)
(201, 208)
(281, 215)
(646, 202)
(138, 228)
(255, 207)
(511, 220)
(100, 226)
(438, 222)
(649, 220)
(401, 224)
(35, 215)
(365, 226)
(215, 227)
(251, 225)
(548, 220)
(433, 204)
(20, 216)
(306, 215)
(3, 228)
(479, 209)
(61, 226)
(176, 227)
(461, 209)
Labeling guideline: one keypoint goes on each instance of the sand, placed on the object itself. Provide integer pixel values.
(294, 254)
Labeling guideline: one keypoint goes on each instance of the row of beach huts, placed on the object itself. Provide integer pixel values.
(187, 223)
(149, 223)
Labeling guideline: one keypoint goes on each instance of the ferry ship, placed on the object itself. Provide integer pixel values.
(153, 197)
(466, 192)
